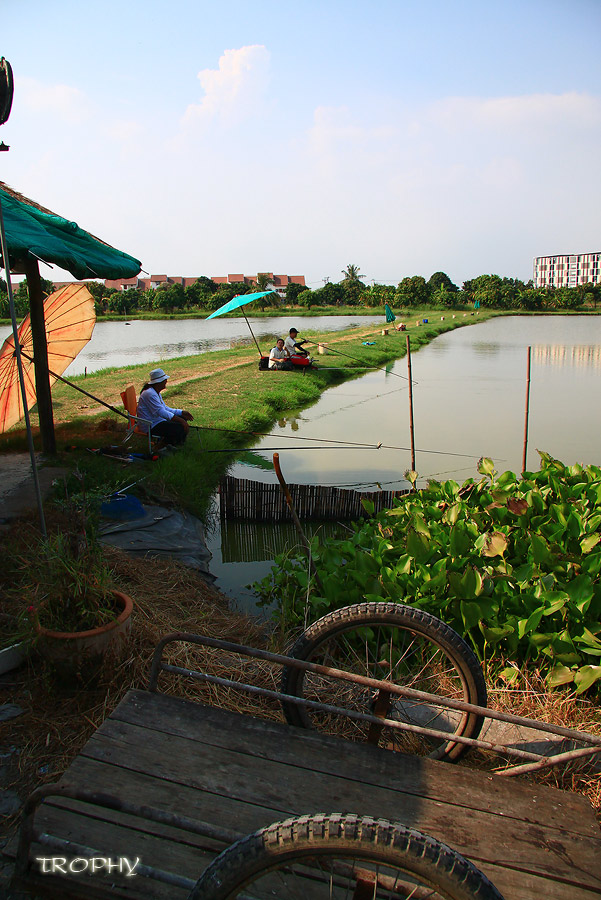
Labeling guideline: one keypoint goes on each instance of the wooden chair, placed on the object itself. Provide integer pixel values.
(130, 402)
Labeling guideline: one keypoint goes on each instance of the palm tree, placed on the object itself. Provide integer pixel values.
(352, 274)
(263, 280)
(262, 283)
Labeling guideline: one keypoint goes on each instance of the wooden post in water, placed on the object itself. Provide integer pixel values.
(527, 411)
(411, 429)
(295, 519)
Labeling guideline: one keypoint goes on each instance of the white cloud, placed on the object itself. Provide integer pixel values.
(235, 90)
(60, 101)
(530, 113)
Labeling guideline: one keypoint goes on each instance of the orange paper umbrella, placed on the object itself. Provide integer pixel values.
(69, 316)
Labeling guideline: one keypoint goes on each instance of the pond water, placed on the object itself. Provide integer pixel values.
(469, 398)
(155, 340)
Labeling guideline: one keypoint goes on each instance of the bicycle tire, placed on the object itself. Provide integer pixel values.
(323, 856)
(412, 648)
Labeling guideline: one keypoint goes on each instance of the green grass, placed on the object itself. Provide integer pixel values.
(224, 389)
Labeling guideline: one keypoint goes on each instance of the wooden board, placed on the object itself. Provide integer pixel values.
(241, 773)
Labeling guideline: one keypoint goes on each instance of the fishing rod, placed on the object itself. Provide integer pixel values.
(356, 358)
(81, 390)
(243, 450)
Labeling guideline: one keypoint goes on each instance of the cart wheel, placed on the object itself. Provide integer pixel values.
(335, 857)
(388, 642)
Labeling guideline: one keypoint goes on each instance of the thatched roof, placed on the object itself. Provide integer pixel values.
(33, 229)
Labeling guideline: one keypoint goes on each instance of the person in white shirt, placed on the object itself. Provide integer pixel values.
(292, 347)
(166, 422)
(278, 356)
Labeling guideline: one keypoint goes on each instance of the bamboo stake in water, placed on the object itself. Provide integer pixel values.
(527, 411)
(295, 519)
(411, 429)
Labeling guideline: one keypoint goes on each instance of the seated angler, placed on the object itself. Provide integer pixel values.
(165, 422)
(279, 356)
(293, 347)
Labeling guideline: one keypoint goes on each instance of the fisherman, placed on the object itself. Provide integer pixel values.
(294, 348)
(165, 422)
(279, 357)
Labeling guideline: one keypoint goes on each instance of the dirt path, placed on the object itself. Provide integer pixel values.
(69, 403)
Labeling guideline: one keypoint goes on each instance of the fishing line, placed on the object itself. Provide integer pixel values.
(357, 403)
(355, 444)
(356, 358)
(289, 437)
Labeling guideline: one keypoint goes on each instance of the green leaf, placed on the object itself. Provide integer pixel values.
(540, 549)
(486, 467)
(368, 505)
(553, 601)
(496, 634)
(471, 582)
(529, 625)
(452, 513)
(403, 566)
(589, 541)
(420, 526)
(470, 613)
(418, 546)
(460, 541)
(580, 591)
(585, 677)
(509, 674)
(495, 544)
(560, 674)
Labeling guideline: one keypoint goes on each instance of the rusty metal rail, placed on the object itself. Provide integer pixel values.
(29, 835)
(537, 760)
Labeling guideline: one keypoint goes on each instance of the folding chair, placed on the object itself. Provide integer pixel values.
(130, 402)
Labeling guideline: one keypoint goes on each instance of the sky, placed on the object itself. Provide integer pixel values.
(401, 136)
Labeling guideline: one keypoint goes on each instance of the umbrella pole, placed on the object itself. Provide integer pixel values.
(253, 334)
(13, 317)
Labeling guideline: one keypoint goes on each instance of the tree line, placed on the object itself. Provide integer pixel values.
(206, 295)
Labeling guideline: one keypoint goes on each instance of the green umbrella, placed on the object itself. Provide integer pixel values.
(390, 316)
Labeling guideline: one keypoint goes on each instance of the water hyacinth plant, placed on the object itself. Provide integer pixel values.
(511, 562)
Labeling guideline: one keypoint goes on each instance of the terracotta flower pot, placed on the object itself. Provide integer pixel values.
(83, 653)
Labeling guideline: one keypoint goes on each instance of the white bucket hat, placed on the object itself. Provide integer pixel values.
(156, 376)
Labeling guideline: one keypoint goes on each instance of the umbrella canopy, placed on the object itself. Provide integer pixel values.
(390, 316)
(31, 229)
(70, 319)
(236, 302)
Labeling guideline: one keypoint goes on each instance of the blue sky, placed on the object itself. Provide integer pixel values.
(402, 137)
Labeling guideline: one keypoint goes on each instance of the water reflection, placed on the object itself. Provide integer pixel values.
(469, 401)
(560, 355)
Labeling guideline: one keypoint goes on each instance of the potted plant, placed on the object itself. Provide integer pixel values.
(70, 609)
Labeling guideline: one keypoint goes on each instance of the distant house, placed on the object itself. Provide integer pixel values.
(277, 282)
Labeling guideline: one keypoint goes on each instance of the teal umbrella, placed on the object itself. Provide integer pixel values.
(390, 316)
(237, 302)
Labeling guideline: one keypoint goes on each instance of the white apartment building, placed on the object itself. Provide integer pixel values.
(567, 270)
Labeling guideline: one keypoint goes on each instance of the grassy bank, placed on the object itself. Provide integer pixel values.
(224, 390)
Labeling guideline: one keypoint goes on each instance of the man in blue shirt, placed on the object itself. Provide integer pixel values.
(170, 424)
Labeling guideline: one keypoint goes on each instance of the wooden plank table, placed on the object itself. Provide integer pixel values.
(242, 773)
